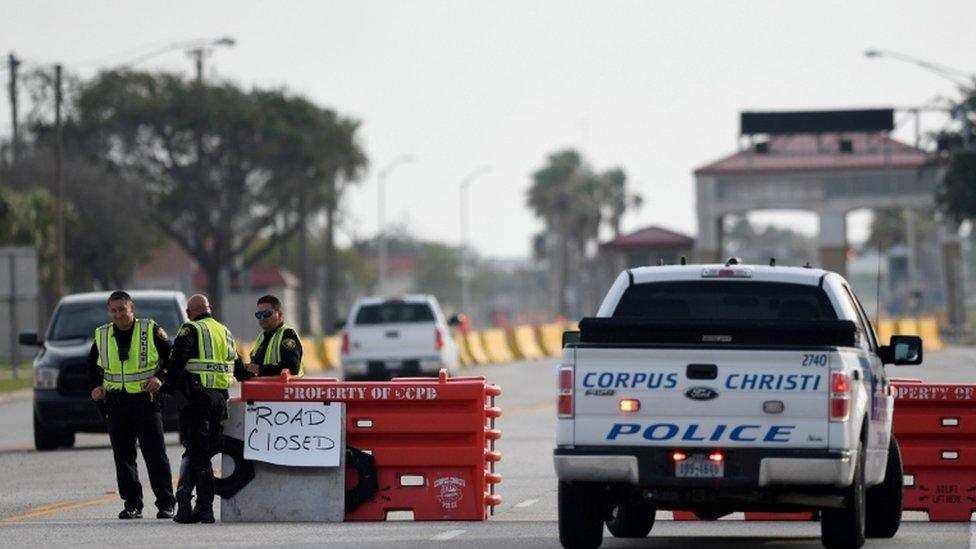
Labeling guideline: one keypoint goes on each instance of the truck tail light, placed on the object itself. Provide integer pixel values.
(629, 405)
(345, 343)
(438, 339)
(840, 396)
(565, 407)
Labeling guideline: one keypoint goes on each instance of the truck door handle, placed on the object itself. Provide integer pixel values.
(702, 371)
(393, 333)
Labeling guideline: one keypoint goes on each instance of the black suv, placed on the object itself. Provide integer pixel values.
(62, 398)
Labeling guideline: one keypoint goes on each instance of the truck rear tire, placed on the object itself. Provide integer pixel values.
(631, 519)
(581, 515)
(844, 528)
(885, 500)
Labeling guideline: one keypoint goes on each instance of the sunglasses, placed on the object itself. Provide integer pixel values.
(263, 314)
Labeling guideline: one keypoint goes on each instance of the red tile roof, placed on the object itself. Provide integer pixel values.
(819, 152)
(262, 278)
(649, 237)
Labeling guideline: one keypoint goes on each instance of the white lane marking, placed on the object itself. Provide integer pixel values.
(527, 503)
(450, 534)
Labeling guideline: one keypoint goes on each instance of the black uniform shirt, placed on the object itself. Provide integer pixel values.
(123, 338)
(289, 353)
(185, 348)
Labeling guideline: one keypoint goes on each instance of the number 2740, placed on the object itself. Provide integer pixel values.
(815, 360)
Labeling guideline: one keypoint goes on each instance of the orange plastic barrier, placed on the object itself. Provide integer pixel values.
(432, 440)
(935, 425)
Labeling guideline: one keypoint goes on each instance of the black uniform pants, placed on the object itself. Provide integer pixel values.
(201, 426)
(133, 417)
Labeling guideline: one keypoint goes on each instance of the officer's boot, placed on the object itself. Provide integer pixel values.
(184, 494)
(203, 511)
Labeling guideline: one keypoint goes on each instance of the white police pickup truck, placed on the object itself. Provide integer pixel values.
(723, 388)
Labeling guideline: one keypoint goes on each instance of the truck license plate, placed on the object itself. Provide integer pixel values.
(699, 466)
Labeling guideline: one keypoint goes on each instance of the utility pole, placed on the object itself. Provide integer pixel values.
(13, 63)
(58, 190)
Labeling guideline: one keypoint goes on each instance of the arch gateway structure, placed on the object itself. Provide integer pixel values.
(829, 163)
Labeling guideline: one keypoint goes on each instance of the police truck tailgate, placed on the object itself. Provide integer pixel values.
(708, 398)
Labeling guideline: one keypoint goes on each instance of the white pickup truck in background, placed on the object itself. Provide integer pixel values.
(723, 388)
(397, 337)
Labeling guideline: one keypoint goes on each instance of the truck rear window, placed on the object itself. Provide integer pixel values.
(394, 312)
(725, 300)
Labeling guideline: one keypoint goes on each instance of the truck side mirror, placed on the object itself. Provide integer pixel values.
(902, 351)
(455, 320)
(30, 338)
(339, 325)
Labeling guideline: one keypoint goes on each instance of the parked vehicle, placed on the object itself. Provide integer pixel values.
(724, 388)
(62, 397)
(397, 337)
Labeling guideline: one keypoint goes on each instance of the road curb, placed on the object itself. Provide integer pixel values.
(15, 396)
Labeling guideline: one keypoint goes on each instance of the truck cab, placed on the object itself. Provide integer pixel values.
(723, 388)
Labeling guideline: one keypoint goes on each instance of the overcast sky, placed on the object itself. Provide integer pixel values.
(653, 87)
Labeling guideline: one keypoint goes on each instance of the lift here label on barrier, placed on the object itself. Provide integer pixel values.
(300, 434)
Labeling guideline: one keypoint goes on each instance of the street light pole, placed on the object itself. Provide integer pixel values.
(381, 215)
(966, 82)
(465, 267)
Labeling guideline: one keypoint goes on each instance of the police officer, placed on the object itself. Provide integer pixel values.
(125, 367)
(277, 347)
(202, 362)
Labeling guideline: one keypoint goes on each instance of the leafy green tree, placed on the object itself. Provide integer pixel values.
(575, 202)
(222, 168)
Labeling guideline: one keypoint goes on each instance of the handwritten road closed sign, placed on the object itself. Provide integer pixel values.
(302, 434)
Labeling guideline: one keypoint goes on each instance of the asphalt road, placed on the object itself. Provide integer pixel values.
(67, 498)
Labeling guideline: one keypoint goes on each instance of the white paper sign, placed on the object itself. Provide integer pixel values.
(302, 434)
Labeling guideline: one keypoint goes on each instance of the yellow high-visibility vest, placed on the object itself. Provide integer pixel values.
(130, 374)
(216, 352)
(272, 354)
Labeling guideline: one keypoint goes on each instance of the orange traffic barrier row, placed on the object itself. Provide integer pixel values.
(438, 470)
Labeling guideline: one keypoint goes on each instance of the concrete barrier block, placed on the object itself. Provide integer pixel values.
(311, 360)
(464, 357)
(496, 346)
(551, 339)
(524, 344)
(475, 348)
(330, 351)
(284, 494)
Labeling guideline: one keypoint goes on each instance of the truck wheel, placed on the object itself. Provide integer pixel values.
(580, 515)
(884, 500)
(844, 528)
(631, 519)
(67, 439)
(44, 438)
